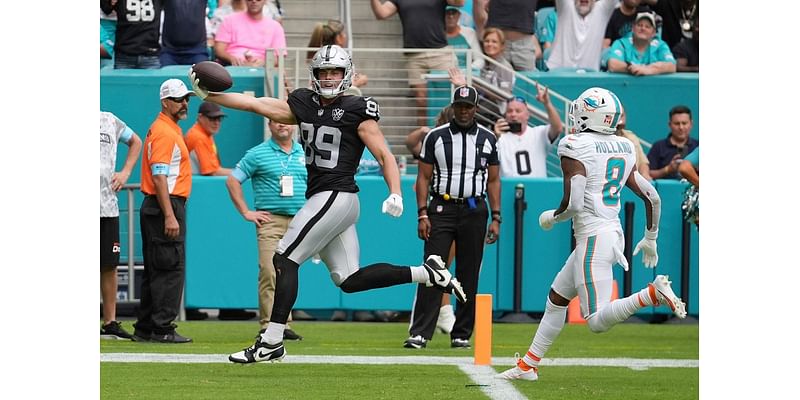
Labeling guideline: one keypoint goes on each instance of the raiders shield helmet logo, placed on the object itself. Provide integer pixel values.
(337, 114)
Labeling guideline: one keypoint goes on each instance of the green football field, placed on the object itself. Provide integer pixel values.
(357, 360)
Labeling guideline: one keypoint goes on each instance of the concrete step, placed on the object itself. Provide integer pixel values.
(326, 9)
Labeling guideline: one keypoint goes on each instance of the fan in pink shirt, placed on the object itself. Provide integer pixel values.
(244, 37)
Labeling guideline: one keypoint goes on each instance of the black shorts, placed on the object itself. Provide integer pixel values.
(109, 242)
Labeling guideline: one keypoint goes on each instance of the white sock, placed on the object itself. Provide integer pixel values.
(419, 275)
(619, 310)
(549, 329)
(274, 333)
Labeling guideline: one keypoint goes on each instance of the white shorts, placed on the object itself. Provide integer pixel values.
(325, 226)
(587, 272)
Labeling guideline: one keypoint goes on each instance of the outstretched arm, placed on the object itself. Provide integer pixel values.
(272, 108)
(553, 119)
(642, 188)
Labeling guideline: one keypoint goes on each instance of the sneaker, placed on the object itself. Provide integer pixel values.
(520, 371)
(114, 330)
(141, 336)
(440, 276)
(259, 351)
(460, 343)
(415, 342)
(665, 295)
(172, 337)
(446, 319)
(289, 334)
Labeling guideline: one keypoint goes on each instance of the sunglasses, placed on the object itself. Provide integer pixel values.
(517, 98)
(215, 118)
(179, 99)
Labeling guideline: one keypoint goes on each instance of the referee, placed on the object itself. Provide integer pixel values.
(458, 168)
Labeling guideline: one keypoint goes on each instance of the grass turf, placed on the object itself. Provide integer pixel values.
(305, 381)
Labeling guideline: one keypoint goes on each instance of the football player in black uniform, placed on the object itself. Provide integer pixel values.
(334, 130)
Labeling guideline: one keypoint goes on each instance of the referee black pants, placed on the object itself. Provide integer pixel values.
(164, 268)
(467, 227)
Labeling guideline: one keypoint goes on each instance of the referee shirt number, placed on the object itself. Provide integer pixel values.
(321, 145)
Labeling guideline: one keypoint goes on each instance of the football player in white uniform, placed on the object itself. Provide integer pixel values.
(334, 131)
(596, 164)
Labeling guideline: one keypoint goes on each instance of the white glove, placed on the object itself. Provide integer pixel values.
(393, 205)
(648, 245)
(547, 219)
(199, 91)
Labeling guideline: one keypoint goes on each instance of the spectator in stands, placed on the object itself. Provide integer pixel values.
(112, 132)
(515, 18)
(166, 185)
(642, 163)
(333, 32)
(226, 7)
(108, 29)
(183, 36)
(666, 154)
(278, 175)
(490, 103)
(200, 141)
(642, 53)
(423, 28)
(687, 52)
(523, 149)
(579, 37)
(677, 17)
(462, 37)
(243, 38)
(137, 39)
(622, 19)
(547, 32)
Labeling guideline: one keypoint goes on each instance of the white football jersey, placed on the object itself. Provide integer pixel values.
(112, 131)
(609, 160)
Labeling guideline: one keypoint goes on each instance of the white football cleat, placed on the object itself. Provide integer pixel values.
(260, 351)
(665, 296)
(439, 275)
(518, 373)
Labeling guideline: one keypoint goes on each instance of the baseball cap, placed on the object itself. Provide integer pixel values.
(650, 17)
(452, 8)
(211, 110)
(174, 88)
(465, 94)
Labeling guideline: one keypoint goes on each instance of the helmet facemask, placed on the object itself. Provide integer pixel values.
(330, 57)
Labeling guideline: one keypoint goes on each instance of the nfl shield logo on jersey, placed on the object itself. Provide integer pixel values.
(337, 114)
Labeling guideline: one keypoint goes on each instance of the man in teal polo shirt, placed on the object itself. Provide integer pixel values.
(278, 172)
(642, 53)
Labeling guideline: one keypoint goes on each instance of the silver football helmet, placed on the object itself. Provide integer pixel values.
(331, 57)
(597, 110)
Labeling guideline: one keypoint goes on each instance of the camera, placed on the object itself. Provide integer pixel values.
(515, 127)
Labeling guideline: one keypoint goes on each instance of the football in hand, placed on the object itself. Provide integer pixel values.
(212, 76)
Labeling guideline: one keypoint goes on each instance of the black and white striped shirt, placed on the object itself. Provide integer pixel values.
(460, 158)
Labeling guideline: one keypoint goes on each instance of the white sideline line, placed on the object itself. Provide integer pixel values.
(496, 389)
(481, 375)
(633, 363)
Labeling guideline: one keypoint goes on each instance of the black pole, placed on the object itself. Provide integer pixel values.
(626, 280)
(519, 210)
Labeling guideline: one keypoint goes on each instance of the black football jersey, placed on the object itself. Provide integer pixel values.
(138, 24)
(329, 136)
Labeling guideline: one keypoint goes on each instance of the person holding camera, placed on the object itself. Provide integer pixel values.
(666, 154)
(522, 148)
